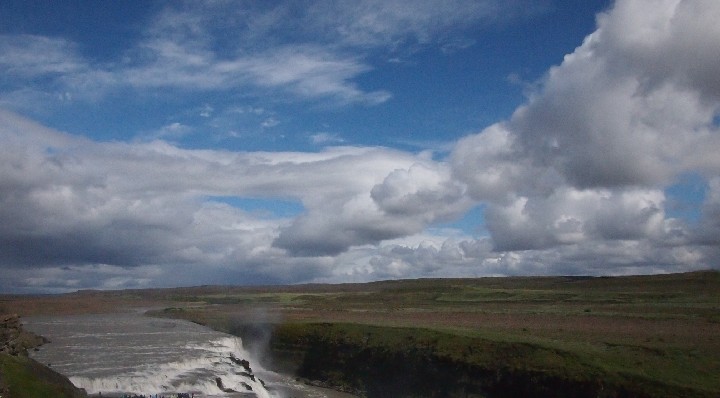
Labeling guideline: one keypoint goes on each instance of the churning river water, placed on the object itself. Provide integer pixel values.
(119, 354)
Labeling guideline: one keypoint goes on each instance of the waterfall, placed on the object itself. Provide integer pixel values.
(198, 373)
(133, 354)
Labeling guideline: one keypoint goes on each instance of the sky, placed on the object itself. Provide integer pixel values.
(155, 144)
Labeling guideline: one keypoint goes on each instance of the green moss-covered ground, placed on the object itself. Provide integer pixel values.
(22, 377)
(415, 362)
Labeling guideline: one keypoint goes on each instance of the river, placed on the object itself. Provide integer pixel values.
(115, 354)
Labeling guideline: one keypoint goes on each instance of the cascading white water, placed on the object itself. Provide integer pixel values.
(133, 354)
(196, 374)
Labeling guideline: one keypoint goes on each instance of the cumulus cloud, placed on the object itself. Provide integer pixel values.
(634, 105)
(492, 165)
(584, 164)
(425, 189)
(626, 108)
(70, 201)
(572, 216)
(383, 206)
(575, 182)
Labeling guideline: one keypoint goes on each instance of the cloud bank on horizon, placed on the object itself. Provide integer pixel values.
(610, 165)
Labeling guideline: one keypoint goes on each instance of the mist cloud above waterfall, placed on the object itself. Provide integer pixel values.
(590, 175)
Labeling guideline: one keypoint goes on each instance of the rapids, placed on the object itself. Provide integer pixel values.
(133, 354)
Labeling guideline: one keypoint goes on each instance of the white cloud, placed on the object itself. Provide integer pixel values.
(304, 70)
(206, 110)
(72, 201)
(573, 182)
(170, 131)
(571, 216)
(325, 138)
(179, 51)
(395, 23)
(626, 109)
(311, 72)
(607, 115)
(492, 165)
(318, 54)
(270, 122)
(30, 56)
(44, 70)
(425, 189)
(575, 179)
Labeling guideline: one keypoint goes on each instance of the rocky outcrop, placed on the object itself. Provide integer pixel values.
(13, 339)
(219, 383)
(241, 362)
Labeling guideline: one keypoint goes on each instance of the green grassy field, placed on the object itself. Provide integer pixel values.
(655, 335)
(21, 377)
(639, 336)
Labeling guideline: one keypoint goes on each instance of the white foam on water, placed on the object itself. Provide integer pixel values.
(197, 374)
(132, 354)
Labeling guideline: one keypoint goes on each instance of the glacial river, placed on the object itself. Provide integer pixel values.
(116, 354)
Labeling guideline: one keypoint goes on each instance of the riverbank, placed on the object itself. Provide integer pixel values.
(636, 336)
(23, 377)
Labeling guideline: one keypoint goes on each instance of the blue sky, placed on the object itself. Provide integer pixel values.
(173, 143)
(433, 87)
